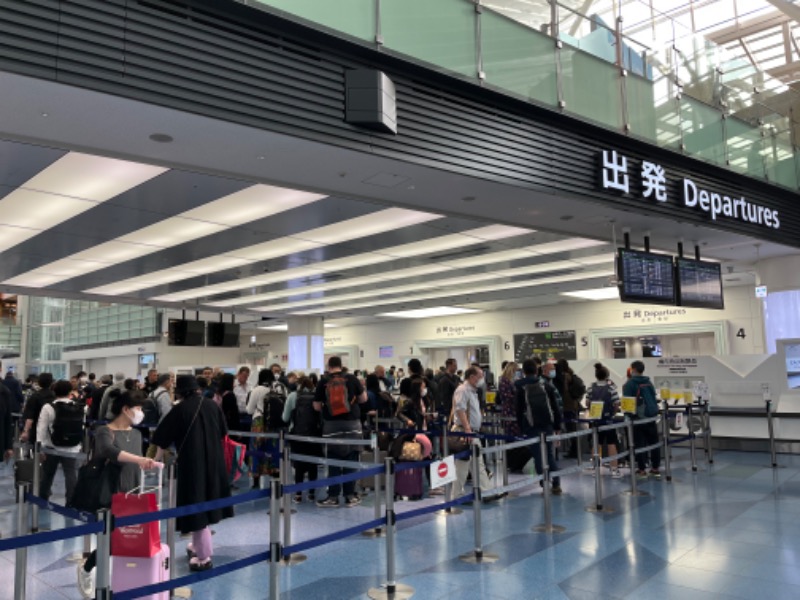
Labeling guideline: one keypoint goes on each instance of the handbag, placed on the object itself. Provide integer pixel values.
(142, 540)
(412, 452)
(97, 483)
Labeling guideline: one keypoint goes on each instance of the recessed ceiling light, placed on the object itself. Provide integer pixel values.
(161, 138)
(606, 293)
(425, 313)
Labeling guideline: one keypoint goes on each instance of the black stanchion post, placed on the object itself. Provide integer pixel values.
(275, 549)
(103, 567)
(21, 561)
(665, 437)
(547, 526)
(707, 432)
(37, 478)
(692, 442)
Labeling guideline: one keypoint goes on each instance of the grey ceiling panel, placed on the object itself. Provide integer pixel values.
(164, 196)
(20, 162)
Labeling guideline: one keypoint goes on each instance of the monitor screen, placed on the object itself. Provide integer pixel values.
(699, 283)
(223, 334)
(646, 277)
(186, 333)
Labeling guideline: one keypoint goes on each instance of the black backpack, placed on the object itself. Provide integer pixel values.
(577, 389)
(305, 419)
(602, 393)
(67, 428)
(273, 407)
(537, 405)
(152, 413)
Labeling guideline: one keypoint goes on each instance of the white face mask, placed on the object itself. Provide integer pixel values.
(424, 393)
(277, 376)
(551, 374)
(138, 416)
(481, 382)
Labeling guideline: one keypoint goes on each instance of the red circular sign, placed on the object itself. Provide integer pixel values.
(442, 470)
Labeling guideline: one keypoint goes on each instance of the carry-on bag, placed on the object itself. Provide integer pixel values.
(408, 483)
(130, 572)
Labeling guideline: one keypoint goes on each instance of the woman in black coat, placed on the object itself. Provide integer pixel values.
(196, 427)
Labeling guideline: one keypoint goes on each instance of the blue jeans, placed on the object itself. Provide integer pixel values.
(535, 432)
(335, 471)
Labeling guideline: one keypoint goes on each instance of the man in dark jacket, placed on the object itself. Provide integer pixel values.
(448, 383)
(33, 408)
(538, 412)
(639, 386)
(15, 389)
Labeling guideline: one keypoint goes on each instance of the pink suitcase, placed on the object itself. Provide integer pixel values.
(128, 572)
(408, 483)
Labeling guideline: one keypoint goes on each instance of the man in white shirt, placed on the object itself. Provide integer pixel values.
(60, 427)
(241, 388)
(467, 416)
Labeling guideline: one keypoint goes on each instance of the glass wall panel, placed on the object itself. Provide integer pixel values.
(744, 147)
(353, 17)
(779, 159)
(592, 87)
(441, 33)
(518, 59)
(702, 131)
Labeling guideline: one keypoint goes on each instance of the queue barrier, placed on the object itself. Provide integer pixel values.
(102, 524)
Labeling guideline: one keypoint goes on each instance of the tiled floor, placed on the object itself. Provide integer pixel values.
(729, 531)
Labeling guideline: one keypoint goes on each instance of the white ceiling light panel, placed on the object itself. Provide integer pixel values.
(70, 186)
(462, 292)
(343, 231)
(427, 313)
(605, 293)
(239, 208)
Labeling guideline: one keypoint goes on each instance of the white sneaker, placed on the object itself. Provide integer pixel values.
(85, 582)
(616, 474)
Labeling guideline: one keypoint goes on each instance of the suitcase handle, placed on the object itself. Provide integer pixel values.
(142, 489)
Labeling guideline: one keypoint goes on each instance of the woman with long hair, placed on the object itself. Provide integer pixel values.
(413, 413)
(507, 399)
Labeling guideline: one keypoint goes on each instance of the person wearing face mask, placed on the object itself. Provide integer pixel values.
(120, 444)
(467, 417)
(538, 412)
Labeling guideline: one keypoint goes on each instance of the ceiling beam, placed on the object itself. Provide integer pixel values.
(747, 28)
(789, 9)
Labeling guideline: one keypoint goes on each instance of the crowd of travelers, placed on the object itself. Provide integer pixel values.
(141, 424)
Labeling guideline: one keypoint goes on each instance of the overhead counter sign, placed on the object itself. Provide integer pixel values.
(619, 173)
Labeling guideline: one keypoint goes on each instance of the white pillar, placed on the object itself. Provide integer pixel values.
(306, 338)
(781, 307)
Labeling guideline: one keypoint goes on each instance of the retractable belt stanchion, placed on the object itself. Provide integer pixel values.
(665, 437)
(547, 526)
(296, 558)
(37, 478)
(707, 432)
(21, 560)
(103, 567)
(275, 549)
(598, 476)
(692, 436)
(578, 449)
(392, 590)
(477, 555)
(771, 430)
(634, 491)
(376, 483)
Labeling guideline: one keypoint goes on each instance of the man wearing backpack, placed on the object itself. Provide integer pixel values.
(640, 387)
(158, 402)
(60, 427)
(337, 397)
(538, 412)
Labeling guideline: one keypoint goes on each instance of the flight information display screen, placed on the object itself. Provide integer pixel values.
(699, 284)
(646, 277)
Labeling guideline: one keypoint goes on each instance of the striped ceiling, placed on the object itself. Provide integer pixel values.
(77, 225)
